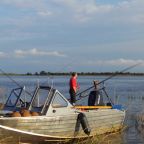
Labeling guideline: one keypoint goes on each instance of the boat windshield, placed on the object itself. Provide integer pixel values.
(41, 97)
(59, 101)
(18, 98)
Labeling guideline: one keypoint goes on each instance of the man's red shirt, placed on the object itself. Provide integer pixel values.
(73, 83)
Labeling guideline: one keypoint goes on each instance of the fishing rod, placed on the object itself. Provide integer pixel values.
(113, 75)
(3, 72)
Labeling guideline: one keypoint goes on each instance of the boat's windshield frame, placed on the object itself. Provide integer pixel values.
(59, 101)
(48, 97)
(17, 93)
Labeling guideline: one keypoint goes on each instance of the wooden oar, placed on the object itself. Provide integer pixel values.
(92, 107)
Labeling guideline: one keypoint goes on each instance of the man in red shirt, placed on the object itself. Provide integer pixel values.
(73, 88)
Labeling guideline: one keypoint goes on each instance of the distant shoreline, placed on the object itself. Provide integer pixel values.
(43, 73)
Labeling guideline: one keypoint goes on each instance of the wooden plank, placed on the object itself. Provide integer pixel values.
(92, 107)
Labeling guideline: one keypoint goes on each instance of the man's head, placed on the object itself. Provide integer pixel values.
(74, 74)
(96, 84)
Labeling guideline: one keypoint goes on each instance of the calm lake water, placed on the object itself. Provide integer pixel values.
(125, 90)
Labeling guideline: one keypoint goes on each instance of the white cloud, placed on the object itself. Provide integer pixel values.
(86, 10)
(116, 62)
(45, 13)
(35, 52)
(3, 55)
(39, 7)
(83, 10)
(23, 3)
(130, 11)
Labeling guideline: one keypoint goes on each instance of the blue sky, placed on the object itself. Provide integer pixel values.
(71, 35)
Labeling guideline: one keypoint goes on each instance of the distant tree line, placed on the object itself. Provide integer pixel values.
(44, 73)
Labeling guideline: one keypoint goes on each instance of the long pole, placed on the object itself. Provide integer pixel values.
(113, 75)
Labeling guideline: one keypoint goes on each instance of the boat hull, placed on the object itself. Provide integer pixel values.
(62, 128)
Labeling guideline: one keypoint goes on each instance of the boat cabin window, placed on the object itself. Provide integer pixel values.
(40, 99)
(17, 98)
(59, 101)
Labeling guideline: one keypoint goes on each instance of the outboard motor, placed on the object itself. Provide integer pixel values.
(95, 98)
